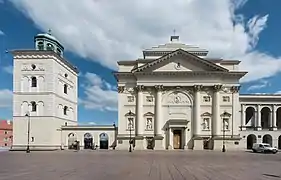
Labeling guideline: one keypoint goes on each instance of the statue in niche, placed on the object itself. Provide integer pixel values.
(205, 123)
(149, 123)
(226, 125)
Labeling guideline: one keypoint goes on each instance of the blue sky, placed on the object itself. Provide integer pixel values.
(97, 34)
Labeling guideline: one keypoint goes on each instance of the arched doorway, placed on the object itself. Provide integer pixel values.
(251, 139)
(250, 116)
(279, 142)
(265, 118)
(71, 140)
(103, 141)
(88, 141)
(278, 118)
(267, 139)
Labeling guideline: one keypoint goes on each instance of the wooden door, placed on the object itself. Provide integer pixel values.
(177, 139)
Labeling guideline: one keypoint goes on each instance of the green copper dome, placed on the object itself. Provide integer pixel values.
(47, 42)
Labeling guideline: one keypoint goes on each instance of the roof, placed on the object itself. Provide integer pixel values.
(6, 125)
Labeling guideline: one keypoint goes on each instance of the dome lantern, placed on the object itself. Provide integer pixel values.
(47, 42)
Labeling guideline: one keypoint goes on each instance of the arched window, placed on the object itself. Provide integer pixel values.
(50, 47)
(58, 51)
(33, 82)
(40, 46)
(65, 110)
(65, 124)
(65, 88)
(33, 106)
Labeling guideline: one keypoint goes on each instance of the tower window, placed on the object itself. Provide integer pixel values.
(40, 46)
(65, 88)
(33, 106)
(65, 75)
(33, 66)
(65, 110)
(33, 82)
(50, 47)
(58, 51)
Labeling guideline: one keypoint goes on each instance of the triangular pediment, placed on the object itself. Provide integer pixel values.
(225, 114)
(206, 114)
(179, 60)
(149, 114)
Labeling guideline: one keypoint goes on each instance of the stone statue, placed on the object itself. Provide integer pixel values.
(149, 123)
(205, 124)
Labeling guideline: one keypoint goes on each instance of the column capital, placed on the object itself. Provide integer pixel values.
(217, 87)
(121, 89)
(159, 87)
(235, 89)
(139, 88)
(197, 88)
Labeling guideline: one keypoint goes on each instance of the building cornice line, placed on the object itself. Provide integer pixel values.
(48, 117)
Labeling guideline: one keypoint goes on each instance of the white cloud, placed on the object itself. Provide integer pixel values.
(106, 31)
(260, 85)
(100, 94)
(8, 69)
(6, 97)
(1, 32)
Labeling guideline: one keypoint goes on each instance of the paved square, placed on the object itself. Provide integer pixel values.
(139, 165)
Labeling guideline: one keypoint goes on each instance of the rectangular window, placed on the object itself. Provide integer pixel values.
(131, 98)
(149, 98)
(206, 123)
(206, 98)
(130, 123)
(225, 124)
(5, 132)
(149, 125)
(226, 99)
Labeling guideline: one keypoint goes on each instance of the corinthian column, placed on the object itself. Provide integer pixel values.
(216, 121)
(196, 119)
(140, 121)
(158, 120)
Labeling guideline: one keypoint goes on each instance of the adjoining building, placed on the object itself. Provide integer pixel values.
(174, 97)
(6, 133)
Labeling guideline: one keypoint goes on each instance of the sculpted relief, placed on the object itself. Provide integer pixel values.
(177, 98)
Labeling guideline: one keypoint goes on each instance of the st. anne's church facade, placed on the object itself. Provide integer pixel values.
(172, 98)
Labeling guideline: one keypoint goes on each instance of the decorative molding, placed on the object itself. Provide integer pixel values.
(148, 114)
(130, 114)
(217, 87)
(225, 114)
(197, 88)
(159, 87)
(121, 89)
(235, 89)
(139, 87)
(206, 114)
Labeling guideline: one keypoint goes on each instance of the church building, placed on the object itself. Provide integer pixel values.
(174, 97)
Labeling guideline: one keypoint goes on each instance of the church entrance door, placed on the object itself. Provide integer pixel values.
(177, 139)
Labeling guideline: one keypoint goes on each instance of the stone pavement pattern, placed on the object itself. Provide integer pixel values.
(139, 165)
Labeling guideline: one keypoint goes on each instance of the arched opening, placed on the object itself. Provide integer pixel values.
(267, 139)
(65, 108)
(250, 116)
(265, 118)
(50, 47)
(33, 106)
(279, 142)
(71, 140)
(58, 51)
(40, 46)
(33, 82)
(103, 141)
(65, 88)
(278, 118)
(251, 139)
(88, 141)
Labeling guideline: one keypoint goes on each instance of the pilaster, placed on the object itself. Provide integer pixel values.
(186, 138)
(216, 125)
(170, 139)
(196, 119)
(158, 120)
(243, 117)
(235, 110)
(140, 121)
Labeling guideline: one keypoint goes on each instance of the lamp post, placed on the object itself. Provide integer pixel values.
(130, 128)
(28, 132)
(223, 136)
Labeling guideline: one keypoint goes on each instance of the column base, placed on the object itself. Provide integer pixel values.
(243, 128)
(170, 147)
(274, 128)
(198, 144)
(258, 128)
(185, 147)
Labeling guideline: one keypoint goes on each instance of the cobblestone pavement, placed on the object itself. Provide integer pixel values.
(139, 165)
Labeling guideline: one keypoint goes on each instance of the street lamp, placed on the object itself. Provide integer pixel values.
(130, 128)
(28, 132)
(223, 136)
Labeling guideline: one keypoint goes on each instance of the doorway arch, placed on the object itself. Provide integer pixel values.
(267, 139)
(279, 142)
(88, 141)
(103, 141)
(71, 140)
(251, 139)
